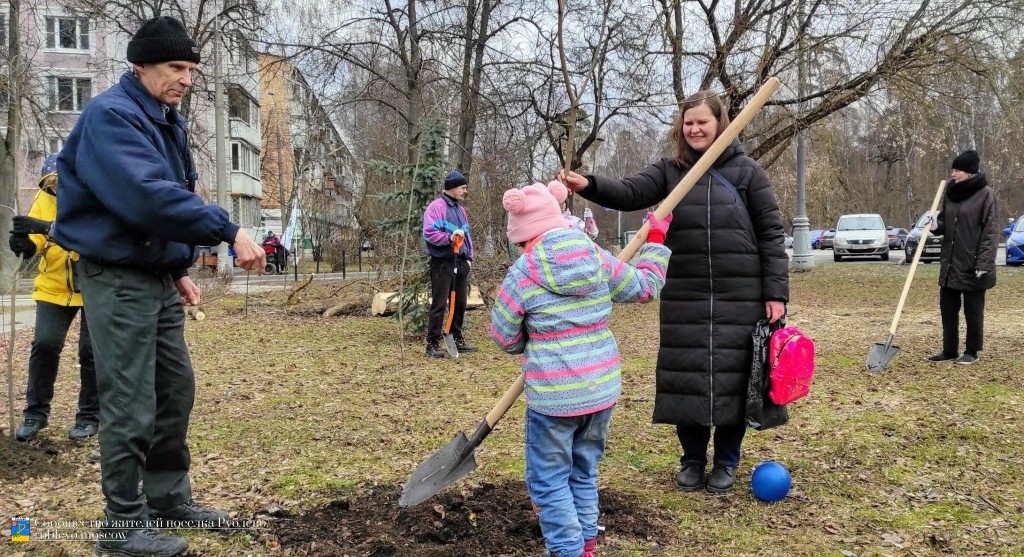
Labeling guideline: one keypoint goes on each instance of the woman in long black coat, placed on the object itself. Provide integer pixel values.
(970, 237)
(728, 270)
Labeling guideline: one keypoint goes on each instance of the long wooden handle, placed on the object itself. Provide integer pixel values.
(666, 207)
(506, 402)
(917, 258)
(704, 163)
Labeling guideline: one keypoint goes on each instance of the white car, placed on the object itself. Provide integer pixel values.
(860, 235)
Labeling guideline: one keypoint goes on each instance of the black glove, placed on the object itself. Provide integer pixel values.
(22, 246)
(27, 225)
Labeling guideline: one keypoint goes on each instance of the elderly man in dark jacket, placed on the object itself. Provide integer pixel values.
(969, 227)
(728, 270)
(127, 205)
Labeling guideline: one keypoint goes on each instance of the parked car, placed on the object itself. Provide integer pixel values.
(932, 248)
(812, 237)
(897, 237)
(1015, 244)
(826, 239)
(860, 235)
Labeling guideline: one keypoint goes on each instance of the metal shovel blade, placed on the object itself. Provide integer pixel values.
(443, 468)
(450, 346)
(881, 354)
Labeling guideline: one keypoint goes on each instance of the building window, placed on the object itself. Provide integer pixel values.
(70, 33)
(54, 145)
(245, 158)
(243, 107)
(246, 211)
(69, 94)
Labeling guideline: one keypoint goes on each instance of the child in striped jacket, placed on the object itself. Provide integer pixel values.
(553, 307)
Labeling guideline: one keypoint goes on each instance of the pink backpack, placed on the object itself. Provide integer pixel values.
(791, 360)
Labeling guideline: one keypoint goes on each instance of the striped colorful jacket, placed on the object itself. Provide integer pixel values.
(554, 306)
(443, 216)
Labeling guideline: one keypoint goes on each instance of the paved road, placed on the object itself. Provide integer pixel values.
(824, 257)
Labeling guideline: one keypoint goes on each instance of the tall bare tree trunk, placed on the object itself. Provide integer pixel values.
(414, 125)
(12, 137)
(472, 75)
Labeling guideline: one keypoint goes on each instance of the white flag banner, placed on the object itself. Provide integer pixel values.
(293, 221)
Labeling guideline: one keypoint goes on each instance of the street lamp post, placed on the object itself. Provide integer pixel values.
(802, 258)
(223, 260)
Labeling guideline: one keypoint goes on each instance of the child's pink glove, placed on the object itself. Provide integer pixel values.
(658, 228)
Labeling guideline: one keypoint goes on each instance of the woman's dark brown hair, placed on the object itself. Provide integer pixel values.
(685, 155)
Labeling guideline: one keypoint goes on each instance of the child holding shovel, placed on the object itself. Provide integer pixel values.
(553, 307)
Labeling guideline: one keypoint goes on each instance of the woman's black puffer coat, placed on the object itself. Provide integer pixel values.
(728, 259)
(970, 235)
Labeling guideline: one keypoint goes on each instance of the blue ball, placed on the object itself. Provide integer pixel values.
(770, 482)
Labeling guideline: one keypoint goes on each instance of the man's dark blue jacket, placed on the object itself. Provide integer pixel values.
(125, 194)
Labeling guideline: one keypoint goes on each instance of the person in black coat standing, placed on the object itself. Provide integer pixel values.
(728, 270)
(970, 237)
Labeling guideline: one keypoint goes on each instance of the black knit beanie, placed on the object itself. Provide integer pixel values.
(162, 39)
(454, 179)
(968, 162)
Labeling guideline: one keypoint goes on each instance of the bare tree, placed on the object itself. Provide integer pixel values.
(12, 102)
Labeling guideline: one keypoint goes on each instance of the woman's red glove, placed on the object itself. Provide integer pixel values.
(659, 227)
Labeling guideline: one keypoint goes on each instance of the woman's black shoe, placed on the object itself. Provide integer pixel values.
(722, 479)
(942, 357)
(691, 477)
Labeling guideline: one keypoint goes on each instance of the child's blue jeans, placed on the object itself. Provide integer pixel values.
(561, 476)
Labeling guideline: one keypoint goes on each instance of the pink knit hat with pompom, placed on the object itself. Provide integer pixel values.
(533, 210)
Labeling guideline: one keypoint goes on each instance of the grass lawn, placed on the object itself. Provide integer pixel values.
(309, 427)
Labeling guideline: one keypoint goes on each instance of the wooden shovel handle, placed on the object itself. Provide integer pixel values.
(704, 163)
(666, 207)
(917, 258)
(506, 402)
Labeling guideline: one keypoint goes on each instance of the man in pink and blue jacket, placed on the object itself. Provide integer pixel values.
(444, 221)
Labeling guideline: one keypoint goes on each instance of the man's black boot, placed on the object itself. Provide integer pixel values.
(29, 428)
(462, 346)
(191, 515)
(83, 430)
(434, 349)
(148, 543)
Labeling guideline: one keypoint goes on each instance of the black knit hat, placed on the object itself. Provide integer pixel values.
(454, 179)
(968, 162)
(162, 39)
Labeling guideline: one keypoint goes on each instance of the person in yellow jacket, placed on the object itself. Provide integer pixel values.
(57, 303)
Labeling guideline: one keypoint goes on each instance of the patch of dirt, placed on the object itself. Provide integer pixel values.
(487, 520)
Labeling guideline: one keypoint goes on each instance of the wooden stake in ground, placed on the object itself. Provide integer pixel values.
(10, 345)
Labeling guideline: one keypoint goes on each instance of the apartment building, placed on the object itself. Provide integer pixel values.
(307, 167)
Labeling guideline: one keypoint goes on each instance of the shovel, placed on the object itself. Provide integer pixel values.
(449, 340)
(883, 352)
(457, 459)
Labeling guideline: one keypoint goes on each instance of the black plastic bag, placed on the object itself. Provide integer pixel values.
(762, 413)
